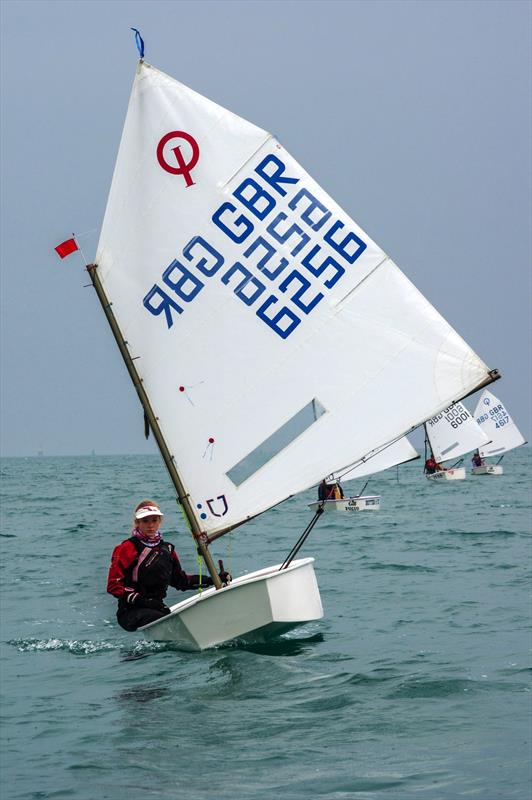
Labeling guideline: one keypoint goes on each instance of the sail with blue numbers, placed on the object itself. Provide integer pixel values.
(277, 342)
(453, 432)
(500, 429)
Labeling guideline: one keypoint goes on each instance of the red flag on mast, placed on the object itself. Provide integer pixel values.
(66, 248)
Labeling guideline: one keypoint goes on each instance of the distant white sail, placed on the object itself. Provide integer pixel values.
(393, 454)
(496, 422)
(276, 341)
(453, 433)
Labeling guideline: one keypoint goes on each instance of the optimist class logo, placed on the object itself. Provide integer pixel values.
(183, 167)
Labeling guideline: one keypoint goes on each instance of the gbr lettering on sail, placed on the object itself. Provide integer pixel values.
(269, 213)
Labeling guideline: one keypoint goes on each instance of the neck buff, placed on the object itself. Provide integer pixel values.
(153, 542)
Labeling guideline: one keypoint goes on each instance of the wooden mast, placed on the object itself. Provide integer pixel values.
(183, 497)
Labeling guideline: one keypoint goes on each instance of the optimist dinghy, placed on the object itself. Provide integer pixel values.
(226, 274)
(364, 502)
(503, 433)
(450, 434)
(396, 453)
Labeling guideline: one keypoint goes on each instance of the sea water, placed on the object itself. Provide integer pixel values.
(416, 684)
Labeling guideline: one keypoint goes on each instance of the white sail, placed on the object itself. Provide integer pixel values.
(454, 432)
(393, 454)
(494, 419)
(269, 331)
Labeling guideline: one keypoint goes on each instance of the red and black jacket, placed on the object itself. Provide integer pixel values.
(148, 571)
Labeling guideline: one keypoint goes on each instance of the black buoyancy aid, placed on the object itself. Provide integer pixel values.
(151, 573)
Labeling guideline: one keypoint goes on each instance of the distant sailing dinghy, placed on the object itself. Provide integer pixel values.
(503, 433)
(237, 291)
(396, 453)
(487, 469)
(364, 502)
(450, 434)
(447, 474)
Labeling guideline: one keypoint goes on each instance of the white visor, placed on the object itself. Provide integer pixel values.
(148, 511)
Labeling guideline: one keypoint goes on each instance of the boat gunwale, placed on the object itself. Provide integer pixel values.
(242, 580)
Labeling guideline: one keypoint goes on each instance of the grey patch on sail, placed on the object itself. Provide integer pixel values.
(273, 445)
(448, 449)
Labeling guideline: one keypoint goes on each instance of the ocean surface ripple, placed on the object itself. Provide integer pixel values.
(415, 684)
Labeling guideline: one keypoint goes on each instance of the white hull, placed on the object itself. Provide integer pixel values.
(488, 469)
(253, 607)
(370, 502)
(456, 474)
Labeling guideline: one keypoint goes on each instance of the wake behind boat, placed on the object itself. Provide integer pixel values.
(226, 273)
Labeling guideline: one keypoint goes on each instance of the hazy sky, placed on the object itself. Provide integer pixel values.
(414, 116)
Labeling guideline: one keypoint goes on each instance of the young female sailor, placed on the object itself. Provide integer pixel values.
(143, 567)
